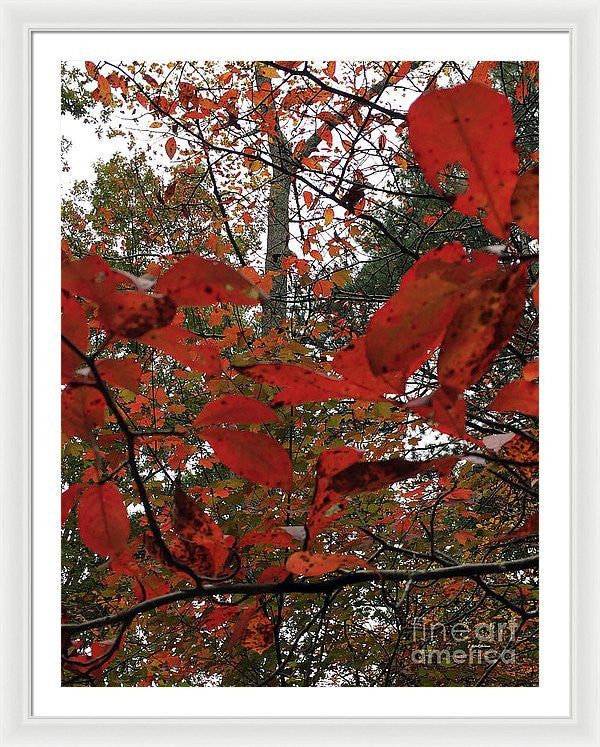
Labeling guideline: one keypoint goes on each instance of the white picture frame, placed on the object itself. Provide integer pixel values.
(20, 21)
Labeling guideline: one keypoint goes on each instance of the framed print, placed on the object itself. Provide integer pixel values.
(311, 262)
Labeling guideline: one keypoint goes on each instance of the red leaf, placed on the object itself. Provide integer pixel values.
(241, 625)
(200, 559)
(235, 409)
(255, 456)
(401, 72)
(83, 409)
(525, 202)
(217, 617)
(274, 536)
(362, 477)
(486, 320)
(195, 281)
(471, 125)
(68, 499)
(103, 520)
(122, 373)
(141, 99)
(300, 384)
(328, 504)
(130, 314)
(308, 198)
(200, 356)
(125, 563)
(326, 135)
(467, 305)
(317, 564)
(191, 521)
(93, 664)
(518, 396)
(273, 574)
(446, 412)
(404, 332)
(352, 363)
(171, 147)
(90, 277)
(75, 329)
(149, 586)
(530, 528)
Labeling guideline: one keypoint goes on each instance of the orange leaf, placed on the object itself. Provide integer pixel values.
(200, 356)
(104, 92)
(171, 147)
(253, 630)
(322, 288)
(258, 636)
(518, 396)
(531, 370)
(481, 73)
(317, 564)
(91, 69)
(103, 520)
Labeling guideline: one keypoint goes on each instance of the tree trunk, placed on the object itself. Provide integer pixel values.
(278, 211)
(278, 236)
(278, 219)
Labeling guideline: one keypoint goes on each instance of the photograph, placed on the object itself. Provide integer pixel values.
(299, 373)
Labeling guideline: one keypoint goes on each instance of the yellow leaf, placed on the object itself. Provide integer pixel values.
(328, 216)
(269, 72)
(341, 278)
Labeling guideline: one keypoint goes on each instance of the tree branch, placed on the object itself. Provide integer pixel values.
(470, 570)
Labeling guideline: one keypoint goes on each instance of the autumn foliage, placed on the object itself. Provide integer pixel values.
(271, 466)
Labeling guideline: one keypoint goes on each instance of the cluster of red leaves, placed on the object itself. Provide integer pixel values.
(464, 305)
